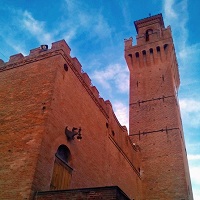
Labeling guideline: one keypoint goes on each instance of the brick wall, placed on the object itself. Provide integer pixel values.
(25, 92)
(103, 193)
(41, 95)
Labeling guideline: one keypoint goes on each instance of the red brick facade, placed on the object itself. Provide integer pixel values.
(46, 91)
(101, 193)
(43, 93)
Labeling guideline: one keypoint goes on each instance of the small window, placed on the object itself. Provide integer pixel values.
(148, 32)
(151, 50)
(137, 54)
(113, 133)
(158, 49)
(165, 47)
(130, 55)
(144, 52)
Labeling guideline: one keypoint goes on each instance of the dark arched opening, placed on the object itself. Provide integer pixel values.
(165, 47)
(63, 153)
(144, 52)
(148, 32)
(151, 51)
(158, 49)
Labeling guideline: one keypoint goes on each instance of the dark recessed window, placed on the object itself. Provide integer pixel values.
(151, 50)
(158, 49)
(113, 133)
(148, 32)
(65, 67)
(144, 52)
(137, 54)
(63, 153)
(165, 47)
(130, 55)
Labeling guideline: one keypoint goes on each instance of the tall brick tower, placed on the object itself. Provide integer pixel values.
(155, 122)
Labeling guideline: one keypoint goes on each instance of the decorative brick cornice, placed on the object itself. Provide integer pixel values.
(148, 20)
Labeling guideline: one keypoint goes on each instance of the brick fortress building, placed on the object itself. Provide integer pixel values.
(47, 104)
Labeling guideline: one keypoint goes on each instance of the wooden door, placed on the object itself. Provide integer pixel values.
(61, 175)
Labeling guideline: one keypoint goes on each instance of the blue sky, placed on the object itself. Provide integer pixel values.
(95, 30)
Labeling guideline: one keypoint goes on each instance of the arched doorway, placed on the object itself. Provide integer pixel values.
(62, 172)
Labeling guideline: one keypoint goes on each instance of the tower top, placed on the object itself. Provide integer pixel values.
(155, 19)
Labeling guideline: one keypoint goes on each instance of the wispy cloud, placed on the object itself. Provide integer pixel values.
(121, 111)
(175, 13)
(36, 28)
(194, 157)
(190, 109)
(195, 175)
(168, 9)
(22, 28)
(112, 77)
(82, 19)
(102, 28)
(15, 45)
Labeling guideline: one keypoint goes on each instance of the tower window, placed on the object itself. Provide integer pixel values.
(165, 47)
(137, 54)
(130, 55)
(158, 49)
(148, 32)
(144, 52)
(151, 50)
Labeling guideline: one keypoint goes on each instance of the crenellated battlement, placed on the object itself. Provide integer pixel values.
(62, 48)
(35, 54)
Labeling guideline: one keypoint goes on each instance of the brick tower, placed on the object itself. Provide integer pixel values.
(155, 122)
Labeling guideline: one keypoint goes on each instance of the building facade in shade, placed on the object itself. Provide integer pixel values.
(48, 103)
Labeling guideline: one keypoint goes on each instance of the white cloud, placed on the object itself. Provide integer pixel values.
(194, 157)
(195, 175)
(102, 28)
(113, 77)
(190, 110)
(196, 194)
(169, 11)
(176, 15)
(81, 19)
(190, 55)
(190, 105)
(19, 47)
(121, 110)
(36, 28)
(69, 35)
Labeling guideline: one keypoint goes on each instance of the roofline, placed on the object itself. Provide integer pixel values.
(141, 21)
